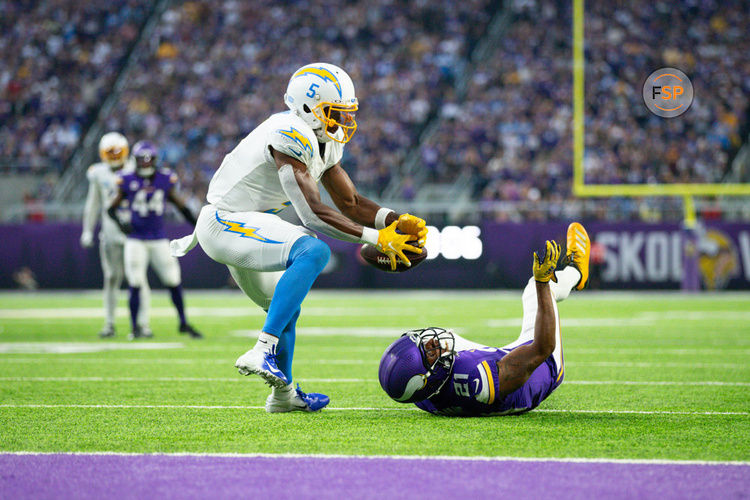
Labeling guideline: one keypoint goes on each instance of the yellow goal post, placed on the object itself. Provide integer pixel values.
(580, 188)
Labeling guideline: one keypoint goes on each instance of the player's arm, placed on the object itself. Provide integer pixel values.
(366, 212)
(179, 203)
(518, 365)
(303, 192)
(112, 212)
(90, 213)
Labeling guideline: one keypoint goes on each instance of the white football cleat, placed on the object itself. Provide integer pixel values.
(284, 405)
(297, 401)
(262, 363)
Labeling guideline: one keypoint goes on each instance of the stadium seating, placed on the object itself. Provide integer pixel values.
(498, 126)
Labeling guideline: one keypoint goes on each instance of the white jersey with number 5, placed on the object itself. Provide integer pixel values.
(248, 179)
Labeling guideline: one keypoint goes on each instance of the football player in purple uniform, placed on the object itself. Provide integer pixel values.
(146, 192)
(445, 374)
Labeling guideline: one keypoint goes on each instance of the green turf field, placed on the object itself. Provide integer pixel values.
(648, 376)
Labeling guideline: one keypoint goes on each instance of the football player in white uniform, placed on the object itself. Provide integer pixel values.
(275, 261)
(102, 176)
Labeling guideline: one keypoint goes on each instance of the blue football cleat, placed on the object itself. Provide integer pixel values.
(262, 363)
(314, 400)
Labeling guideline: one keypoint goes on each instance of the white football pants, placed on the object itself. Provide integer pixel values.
(140, 253)
(111, 255)
(254, 246)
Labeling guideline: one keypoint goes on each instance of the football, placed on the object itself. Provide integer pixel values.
(375, 258)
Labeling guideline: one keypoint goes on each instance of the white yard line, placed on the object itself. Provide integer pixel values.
(374, 362)
(176, 361)
(161, 312)
(729, 350)
(82, 347)
(666, 364)
(579, 322)
(348, 331)
(353, 380)
(688, 315)
(405, 408)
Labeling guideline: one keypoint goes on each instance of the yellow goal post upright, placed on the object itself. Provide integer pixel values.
(580, 188)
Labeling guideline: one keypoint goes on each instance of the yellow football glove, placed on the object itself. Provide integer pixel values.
(393, 244)
(414, 226)
(545, 270)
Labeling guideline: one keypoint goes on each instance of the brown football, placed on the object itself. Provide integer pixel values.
(372, 256)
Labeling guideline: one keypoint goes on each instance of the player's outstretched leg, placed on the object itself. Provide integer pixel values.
(307, 258)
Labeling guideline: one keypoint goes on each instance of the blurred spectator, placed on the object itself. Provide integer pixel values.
(25, 279)
(513, 130)
(217, 68)
(212, 70)
(60, 59)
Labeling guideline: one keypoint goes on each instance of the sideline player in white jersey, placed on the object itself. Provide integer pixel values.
(275, 261)
(102, 177)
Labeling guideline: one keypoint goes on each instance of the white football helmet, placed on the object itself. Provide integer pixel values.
(114, 149)
(323, 95)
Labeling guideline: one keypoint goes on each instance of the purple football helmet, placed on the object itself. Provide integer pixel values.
(145, 154)
(405, 372)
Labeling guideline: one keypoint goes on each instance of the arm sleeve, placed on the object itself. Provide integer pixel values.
(310, 219)
(337, 153)
(93, 204)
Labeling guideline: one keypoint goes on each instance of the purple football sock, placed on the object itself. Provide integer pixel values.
(135, 304)
(176, 293)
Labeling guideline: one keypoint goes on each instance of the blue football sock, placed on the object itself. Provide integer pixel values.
(307, 258)
(285, 349)
(176, 293)
(135, 304)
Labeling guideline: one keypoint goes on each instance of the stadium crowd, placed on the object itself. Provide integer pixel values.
(512, 132)
(60, 59)
(704, 38)
(213, 70)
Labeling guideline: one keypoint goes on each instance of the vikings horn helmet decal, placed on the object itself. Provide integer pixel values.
(405, 373)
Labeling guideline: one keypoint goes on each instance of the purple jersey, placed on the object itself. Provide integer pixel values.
(146, 200)
(471, 390)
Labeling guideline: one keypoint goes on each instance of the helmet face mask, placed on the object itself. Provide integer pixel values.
(417, 365)
(113, 150)
(336, 117)
(323, 96)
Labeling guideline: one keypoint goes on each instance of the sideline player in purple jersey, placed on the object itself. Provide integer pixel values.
(445, 374)
(146, 192)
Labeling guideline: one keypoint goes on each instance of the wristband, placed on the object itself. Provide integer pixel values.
(380, 217)
(370, 236)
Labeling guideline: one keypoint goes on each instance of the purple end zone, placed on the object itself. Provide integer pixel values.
(193, 476)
